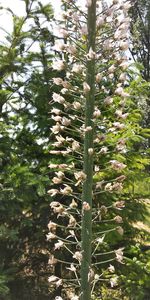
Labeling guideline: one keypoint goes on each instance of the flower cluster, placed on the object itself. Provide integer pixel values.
(109, 123)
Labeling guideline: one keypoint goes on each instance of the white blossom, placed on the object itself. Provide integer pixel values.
(75, 297)
(52, 260)
(75, 146)
(88, 128)
(77, 105)
(90, 151)
(73, 204)
(57, 80)
(56, 180)
(116, 165)
(124, 45)
(78, 256)
(56, 118)
(52, 192)
(58, 245)
(52, 166)
(100, 21)
(58, 65)
(60, 210)
(119, 91)
(56, 111)
(107, 45)
(75, 17)
(88, 3)
(120, 230)
(59, 46)
(108, 100)
(58, 298)
(114, 281)
(79, 176)
(119, 255)
(60, 174)
(103, 150)
(100, 239)
(111, 269)
(126, 6)
(72, 221)
(64, 33)
(124, 65)
(77, 68)
(57, 128)
(60, 138)
(52, 279)
(111, 76)
(84, 30)
(71, 49)
(119, 125)
(97, 113)
(118, 219)
(72, 268)
(66, 121)
(91, 54)
(50, 236)
(52, 226)
(58, 98)
(66, 84)
(111, 69)
(98, 77)
(64, 91)
(119, 205)
(86, 206)
(67, 190)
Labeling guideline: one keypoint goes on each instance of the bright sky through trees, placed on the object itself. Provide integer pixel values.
(17, 6)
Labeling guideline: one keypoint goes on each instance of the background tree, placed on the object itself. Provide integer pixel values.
(25, 93)
(140, 49)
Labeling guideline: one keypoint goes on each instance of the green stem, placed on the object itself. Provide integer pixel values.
(86, 233)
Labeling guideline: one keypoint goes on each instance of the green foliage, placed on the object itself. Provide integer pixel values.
(24, 156)
(4, 290)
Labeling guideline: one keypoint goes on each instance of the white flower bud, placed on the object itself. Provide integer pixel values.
(57, 80)
(96, 113)
(86, 88)
(58, 65)
(88, 3)
(90, 151)
(124, 45)
(111, 69)
(86, 206)
(111, 269)
(78, 256)
(64, 33)
(100, 21)
(77, 68)
(58, 98)
(91, 54)
(98, 77)
(77, 105)
(108, 100)
(118, 219)
(58, 245)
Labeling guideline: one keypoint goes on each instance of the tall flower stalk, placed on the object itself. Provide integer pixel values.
(89, 111)
(86, 236)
